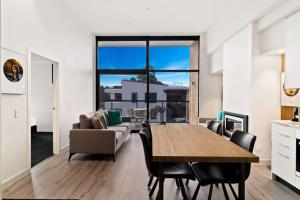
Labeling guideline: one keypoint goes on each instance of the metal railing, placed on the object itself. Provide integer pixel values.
(170, 111)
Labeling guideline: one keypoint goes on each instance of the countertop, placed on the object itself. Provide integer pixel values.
(287, 123)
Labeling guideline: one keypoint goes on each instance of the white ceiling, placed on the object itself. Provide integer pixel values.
(145, 17)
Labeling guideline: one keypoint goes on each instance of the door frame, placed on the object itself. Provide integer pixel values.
(56, 69)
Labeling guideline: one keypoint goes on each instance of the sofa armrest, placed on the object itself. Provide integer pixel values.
(126, 119)
(101, 141)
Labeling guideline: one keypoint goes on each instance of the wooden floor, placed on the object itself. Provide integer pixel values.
(95, 177)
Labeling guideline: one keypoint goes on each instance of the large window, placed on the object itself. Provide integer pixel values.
(149, 77)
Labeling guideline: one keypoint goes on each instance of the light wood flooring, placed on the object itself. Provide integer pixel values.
(95, 178)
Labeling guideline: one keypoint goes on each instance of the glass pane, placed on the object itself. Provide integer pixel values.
(121, 55)
(125, 93)
(173, 55)
(172, 92)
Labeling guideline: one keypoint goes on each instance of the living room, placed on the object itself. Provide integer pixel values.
(169, 62)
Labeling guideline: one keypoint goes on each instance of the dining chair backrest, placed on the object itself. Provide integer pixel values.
(215, 126)
(147, 146)
(244, 140)
(146, 125)
(247, 142)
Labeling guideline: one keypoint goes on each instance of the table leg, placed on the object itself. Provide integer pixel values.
(160, 194)
(242, 183)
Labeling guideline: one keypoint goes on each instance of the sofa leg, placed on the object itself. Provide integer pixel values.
(114, 157)
(71, 154)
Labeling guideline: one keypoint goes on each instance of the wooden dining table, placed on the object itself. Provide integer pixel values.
(181, 142)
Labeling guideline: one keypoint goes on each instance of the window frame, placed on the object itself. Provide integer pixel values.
(145, 71)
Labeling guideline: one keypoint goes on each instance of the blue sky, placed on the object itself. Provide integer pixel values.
(135, 58)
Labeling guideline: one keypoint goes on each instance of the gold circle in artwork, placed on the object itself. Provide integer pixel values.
(13, 70)
(290, 91)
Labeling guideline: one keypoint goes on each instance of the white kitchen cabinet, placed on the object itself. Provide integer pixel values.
(284, 152)
(292, 70)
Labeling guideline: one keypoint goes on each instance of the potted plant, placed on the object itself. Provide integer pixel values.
(159, 109)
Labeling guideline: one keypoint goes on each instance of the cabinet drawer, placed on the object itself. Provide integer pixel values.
(280, 147)
(284, 131)
(282, 166)
(283, 138)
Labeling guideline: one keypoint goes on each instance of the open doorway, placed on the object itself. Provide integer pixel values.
(42, 100)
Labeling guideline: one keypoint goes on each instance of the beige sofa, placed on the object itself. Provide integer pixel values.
(99, 141)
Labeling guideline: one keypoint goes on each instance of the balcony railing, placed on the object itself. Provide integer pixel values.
(159, 111)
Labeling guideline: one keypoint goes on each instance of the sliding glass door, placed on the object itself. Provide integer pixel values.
(154, 78)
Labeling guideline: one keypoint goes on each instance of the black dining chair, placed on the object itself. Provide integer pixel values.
(177, 171)
(215, 126)
(225, 173)
(147, 126)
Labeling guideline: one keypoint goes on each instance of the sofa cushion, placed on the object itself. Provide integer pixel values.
(96, 123)
(119, 137)
(122, 129)
(85, 121)
(124, 124)
(102, 113)
(114, 117)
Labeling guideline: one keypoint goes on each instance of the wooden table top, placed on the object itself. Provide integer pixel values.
(192, 143)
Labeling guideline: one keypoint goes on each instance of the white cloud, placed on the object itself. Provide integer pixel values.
(184, 64)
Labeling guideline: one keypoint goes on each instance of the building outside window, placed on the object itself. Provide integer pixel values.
(134, 96)
(152, 97)
(164, 69)
(118, 96)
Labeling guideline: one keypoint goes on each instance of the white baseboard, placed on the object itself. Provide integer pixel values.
(65, 148)
(8, 182)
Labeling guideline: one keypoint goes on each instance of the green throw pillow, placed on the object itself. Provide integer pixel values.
(114, 117)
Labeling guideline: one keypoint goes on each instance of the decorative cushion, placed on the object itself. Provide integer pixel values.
(85, 122)
(96, 123)
(114, 117)
(103, 122)
(100, 113)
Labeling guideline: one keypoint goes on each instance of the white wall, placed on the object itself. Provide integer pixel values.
(0, 115)
(216, 61)
(210, 86)
(273, 39)
(251, 83)
(41, 83)
(278, 14)
(237, 62)
(46, 27)
(235, 19)
(265, 98)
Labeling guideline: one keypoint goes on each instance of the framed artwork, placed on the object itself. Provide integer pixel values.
(13, 72)
(289, 96)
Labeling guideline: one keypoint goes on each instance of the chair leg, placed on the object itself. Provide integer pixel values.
(177, 183)
(150, 181)
(196, 192)
(217, 185)
(71, 154)
(210, 191)
(233, 192)
(153, 187)
(225, 192)
(187, 182)
(182, 189)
